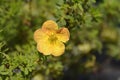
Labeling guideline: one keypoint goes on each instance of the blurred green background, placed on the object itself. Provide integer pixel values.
(94, 39)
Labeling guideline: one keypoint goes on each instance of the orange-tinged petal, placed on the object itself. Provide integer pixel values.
(39, 34)
(50, 24)
(58, 48)
(63, 34)
(44, 47)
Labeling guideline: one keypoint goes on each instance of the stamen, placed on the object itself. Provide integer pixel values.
(53, 38)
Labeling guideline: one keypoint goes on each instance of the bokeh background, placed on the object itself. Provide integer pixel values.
(92, 53)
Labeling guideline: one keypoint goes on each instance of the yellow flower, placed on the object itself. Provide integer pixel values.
(50, 39)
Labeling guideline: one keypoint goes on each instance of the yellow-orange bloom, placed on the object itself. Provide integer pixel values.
(50, 39)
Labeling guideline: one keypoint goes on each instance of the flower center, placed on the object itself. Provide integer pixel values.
(53, 38)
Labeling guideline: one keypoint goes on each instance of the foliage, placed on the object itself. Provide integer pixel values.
(94, 29)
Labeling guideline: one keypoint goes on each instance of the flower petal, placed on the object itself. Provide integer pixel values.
(39, 34)
(50, 24)
(58, 48)
(44, 47)
(63, 34)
